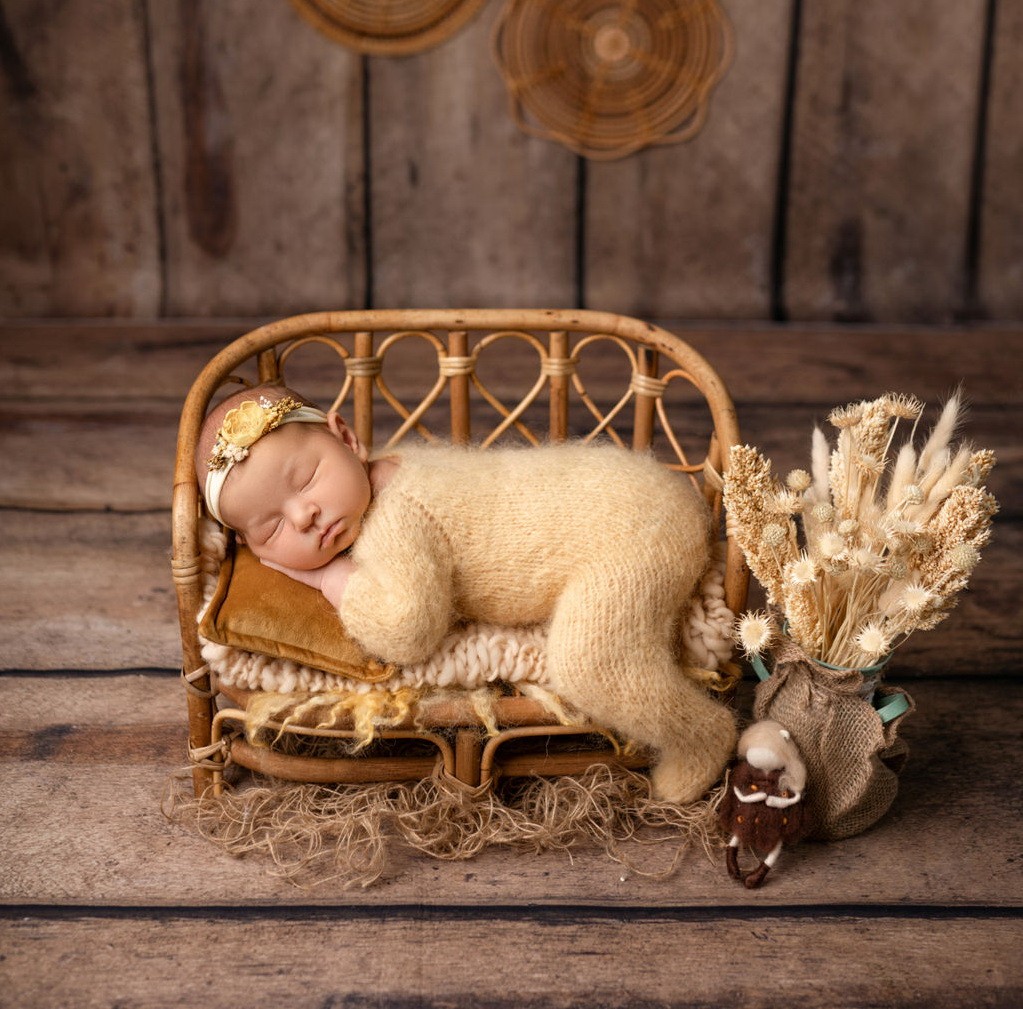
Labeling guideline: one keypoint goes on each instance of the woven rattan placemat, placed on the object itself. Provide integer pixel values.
(607, 79)
(389, 27)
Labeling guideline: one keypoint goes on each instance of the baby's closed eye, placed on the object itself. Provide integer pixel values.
(268, 530)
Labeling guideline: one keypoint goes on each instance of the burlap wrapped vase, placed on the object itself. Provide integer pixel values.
(846, 729)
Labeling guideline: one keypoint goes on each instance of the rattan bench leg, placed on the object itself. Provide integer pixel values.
(468, 750)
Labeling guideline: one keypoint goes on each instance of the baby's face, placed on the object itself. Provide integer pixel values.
(300, 496)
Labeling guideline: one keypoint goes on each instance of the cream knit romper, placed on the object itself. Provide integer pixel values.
(605, 544)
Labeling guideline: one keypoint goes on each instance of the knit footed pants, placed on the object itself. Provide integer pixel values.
(611, 653)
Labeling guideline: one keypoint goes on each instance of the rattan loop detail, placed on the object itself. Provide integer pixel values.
(185, 571)
(450, 367)
(213, 757)
(559, 366)
(470, 791)
(645, 385)
(363, 367)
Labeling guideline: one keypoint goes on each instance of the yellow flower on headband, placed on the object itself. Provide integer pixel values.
(244, 426)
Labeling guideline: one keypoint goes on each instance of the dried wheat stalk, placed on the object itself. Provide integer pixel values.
(872, 544)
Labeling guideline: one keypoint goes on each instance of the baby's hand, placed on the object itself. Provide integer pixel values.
(331, 579)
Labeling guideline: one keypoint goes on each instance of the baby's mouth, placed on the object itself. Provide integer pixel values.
(330, 532)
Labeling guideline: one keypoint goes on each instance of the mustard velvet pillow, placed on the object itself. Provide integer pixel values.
(257, 609)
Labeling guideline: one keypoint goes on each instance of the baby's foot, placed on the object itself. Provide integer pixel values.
(681, 779)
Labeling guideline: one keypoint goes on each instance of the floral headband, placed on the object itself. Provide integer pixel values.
(242, 428)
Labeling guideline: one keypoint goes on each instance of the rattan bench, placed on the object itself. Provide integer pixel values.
(550, 361)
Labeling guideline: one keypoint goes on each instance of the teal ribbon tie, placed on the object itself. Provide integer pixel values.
(891, 707)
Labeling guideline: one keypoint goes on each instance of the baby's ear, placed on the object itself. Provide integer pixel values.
(344, 434)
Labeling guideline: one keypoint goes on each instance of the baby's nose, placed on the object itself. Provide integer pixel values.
(303, 512)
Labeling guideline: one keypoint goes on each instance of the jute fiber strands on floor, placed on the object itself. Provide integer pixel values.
(607, 79)
(388, 27)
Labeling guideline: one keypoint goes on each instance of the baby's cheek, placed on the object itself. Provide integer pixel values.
(264, 551)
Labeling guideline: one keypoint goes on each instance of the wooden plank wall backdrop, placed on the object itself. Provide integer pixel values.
(79, 196)
(884, 120)
(1000, 261)
(862, 161)
(466, 209)
(688, 230)
(259, 132)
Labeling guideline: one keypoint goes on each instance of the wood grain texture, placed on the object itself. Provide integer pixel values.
(61, 456)
(882, 151)
(827, 364)
(86, 701)
(97, 752)
(467, 211)
(412, 960)
(78, 217)
(205, 157)
(687, 229)
(811, 364)
(1000, 280)
(111, 360)
(260, 137)
(87, 591)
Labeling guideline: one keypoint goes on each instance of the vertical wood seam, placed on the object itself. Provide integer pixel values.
(580, 232)
(971, 306)
(12, 63)
(779, 232)
(154, 152)
(367, 188)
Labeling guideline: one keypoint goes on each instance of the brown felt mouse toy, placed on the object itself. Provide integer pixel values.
(763, 809)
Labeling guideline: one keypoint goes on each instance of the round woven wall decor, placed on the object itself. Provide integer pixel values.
(388, 27)
(607, 79)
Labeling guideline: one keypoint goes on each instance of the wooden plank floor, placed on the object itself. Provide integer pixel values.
(103, 901)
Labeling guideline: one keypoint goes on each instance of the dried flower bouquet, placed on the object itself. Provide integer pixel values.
(872, 545)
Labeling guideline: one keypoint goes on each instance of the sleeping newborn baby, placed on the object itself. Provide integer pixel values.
(604, 545)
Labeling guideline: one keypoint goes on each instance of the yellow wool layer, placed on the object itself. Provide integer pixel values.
(369, 712)
(605, 544)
